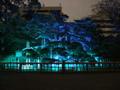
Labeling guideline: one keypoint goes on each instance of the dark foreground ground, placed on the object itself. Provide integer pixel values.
(81, 81)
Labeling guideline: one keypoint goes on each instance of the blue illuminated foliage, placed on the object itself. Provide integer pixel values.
(52, 39)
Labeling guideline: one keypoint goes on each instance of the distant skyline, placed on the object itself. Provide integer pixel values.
(76, 9)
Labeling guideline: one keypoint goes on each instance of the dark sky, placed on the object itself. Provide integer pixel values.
(76, 9)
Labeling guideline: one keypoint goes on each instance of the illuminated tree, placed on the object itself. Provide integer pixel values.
(51, 38)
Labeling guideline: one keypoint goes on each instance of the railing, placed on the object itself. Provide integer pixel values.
(61, 67)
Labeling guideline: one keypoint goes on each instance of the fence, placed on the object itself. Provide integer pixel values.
(61, 67)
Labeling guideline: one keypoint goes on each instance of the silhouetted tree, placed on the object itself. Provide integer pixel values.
(109, 9)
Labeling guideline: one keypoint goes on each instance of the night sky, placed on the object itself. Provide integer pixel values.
(76, 9)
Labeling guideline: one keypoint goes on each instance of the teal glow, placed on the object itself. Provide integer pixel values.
(18, 54)
(97, 59)
(27, 67)
(56, 57)
(74, 67)
(56, 67)
(12, 66)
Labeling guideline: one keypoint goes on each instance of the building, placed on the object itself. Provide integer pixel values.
(105, 25)
(36, 7)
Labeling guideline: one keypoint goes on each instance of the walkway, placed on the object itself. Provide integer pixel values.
(38, 81)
